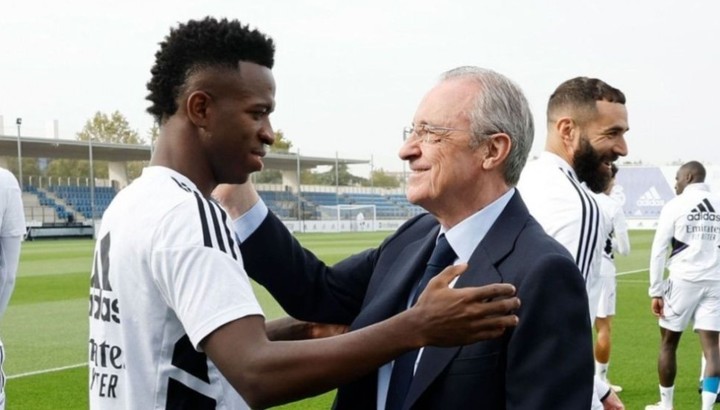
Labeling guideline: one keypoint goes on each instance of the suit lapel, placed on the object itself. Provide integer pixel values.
(400, 272)
(499, 241)
(399, 276)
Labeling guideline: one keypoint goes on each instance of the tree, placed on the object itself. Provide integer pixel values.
(382, 179)
(309, 178)
(30, 167)
(113, 128)
(153, 134)
(268, 176)
(281, 144)
(76, 168)
(344, 177)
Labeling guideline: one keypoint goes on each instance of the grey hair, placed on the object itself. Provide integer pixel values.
(500, 107)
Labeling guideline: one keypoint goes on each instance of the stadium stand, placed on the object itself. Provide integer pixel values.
(54, 203)
(79, 198)
(285, 203)
(63, 203)
(642, 190)
(40, 209)
(385, 207)
(282, 203)
(401, 201)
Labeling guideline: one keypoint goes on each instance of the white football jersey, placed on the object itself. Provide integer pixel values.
(689, 229)
(166, 273)
(12, 229)
(567, 211)
(617, 240)
(12, 218)
(565, 208)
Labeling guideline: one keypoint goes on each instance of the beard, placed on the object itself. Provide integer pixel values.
(590, 167)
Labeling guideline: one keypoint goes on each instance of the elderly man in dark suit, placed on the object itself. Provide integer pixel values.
(466, 148)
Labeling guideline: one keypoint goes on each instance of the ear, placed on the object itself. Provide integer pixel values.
(566, 128)
(197, 106)
(496, 148)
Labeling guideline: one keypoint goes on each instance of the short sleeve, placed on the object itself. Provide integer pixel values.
(13, 217)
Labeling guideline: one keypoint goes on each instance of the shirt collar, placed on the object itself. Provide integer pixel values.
(465, 236)
(159, 170)
(559, 162)
(699, 186)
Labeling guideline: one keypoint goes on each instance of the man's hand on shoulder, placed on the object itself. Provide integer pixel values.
(237, 198)
(451, 317)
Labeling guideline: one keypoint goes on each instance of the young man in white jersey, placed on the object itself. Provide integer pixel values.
(616, 242)
(586, 125)
(687, 242)
(12, 229)
(173, 320)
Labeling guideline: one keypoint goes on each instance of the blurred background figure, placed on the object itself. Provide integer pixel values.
(12, 229)
(687, 242)
(616, 242)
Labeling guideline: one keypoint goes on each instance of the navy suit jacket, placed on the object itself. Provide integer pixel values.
(546, 362)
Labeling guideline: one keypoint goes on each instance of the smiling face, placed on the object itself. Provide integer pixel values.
(600, 141)
(238, 129)
(444, 174)
(590, 166)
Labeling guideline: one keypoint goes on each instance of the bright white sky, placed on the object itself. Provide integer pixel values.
(351, 75)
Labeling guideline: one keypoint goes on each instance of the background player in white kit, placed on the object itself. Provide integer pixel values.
(12, 229)
(616, 242)
(688, 238)
(586, 125)
(173, 322)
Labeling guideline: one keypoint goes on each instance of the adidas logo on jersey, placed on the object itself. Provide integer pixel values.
(102, 307)
(704, 211)
(651, 197)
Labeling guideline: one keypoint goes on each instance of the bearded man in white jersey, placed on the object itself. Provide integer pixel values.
(687, 242)
(586, 125)
(173, 320)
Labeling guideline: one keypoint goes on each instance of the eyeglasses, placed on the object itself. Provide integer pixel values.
(427, 133)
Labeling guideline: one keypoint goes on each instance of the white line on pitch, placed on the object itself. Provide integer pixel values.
(630, 272)
(75, 366)
(56, 369)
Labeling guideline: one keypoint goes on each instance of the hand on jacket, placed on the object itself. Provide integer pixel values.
(461, 316)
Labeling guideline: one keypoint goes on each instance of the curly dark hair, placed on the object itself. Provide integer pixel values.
(582, 93)
(199, 44)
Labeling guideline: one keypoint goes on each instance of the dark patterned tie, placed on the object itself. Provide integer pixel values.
(403, 369)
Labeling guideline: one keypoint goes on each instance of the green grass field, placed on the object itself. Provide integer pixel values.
(45, 327)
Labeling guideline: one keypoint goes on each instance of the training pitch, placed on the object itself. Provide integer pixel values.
(45, 327)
